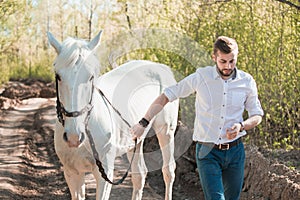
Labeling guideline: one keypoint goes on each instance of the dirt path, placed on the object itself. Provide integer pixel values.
(29, 166)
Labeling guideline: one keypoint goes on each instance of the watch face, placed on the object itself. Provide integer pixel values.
(143, 122)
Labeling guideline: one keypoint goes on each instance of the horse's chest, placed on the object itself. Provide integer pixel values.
(79, 159)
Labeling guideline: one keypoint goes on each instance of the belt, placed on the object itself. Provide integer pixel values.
(225, 146)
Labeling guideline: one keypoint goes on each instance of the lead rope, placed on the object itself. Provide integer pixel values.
(93, 146)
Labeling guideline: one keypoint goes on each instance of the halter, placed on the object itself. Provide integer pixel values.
(60, 109)
(61, 112)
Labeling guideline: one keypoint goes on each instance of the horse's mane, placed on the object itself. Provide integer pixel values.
(71, 50)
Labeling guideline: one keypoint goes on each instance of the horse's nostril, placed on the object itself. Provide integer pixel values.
(65, 137)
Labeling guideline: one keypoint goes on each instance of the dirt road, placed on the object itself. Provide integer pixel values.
(29, 166)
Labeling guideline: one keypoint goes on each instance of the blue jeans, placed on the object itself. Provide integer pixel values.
(221, 172)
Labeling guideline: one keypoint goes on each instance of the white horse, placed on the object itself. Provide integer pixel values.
(86, 116)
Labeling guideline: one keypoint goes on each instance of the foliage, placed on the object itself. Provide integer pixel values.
(13, 21)
(40, 70)
(267, 33)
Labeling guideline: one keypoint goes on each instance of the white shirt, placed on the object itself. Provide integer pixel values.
(219, 103)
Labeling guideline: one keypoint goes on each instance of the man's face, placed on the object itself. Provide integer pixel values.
(225, 63)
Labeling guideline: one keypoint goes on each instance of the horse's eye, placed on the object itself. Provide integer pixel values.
(57, 77)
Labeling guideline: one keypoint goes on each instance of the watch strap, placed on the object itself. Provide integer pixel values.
(144, 122)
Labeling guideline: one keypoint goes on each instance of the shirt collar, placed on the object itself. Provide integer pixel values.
(216, 75)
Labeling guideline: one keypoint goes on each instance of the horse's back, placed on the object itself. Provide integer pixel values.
(136, 72)
(133, 86)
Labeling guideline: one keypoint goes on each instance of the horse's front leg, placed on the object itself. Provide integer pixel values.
(76, 184)
(103, 188)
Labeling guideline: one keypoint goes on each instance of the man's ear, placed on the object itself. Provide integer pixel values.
(214, 57)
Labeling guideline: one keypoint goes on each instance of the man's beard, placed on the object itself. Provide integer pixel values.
(224, 74)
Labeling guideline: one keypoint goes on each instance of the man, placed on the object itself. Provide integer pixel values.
(222, 94)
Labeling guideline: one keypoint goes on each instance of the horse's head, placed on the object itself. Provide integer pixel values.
(76, 67)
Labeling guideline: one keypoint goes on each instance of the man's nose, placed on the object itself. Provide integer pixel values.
(229, 65)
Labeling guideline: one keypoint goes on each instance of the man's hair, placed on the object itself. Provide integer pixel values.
(225, 45)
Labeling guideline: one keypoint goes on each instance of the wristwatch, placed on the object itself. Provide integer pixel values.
(144, 122)
(242, 126)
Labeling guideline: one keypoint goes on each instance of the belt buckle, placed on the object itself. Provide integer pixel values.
(226, 146)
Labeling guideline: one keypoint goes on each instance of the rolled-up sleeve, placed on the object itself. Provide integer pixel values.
(182, 89)
(253, 105)
(169, 94)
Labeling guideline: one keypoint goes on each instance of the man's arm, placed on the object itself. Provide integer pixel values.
(248, 124)
(157, 105)
(252, 121)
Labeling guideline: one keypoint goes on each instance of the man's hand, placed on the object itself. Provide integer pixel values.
(137, 131)
(232, 132)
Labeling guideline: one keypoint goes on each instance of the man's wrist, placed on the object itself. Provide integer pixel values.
(144, 122)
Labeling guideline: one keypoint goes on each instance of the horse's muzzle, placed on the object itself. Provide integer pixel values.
(74, 141)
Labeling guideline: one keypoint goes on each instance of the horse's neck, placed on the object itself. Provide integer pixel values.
(107, 123)
(101, 115)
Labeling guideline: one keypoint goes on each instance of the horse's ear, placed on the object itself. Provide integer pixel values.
(94, 43)
(54, 42)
